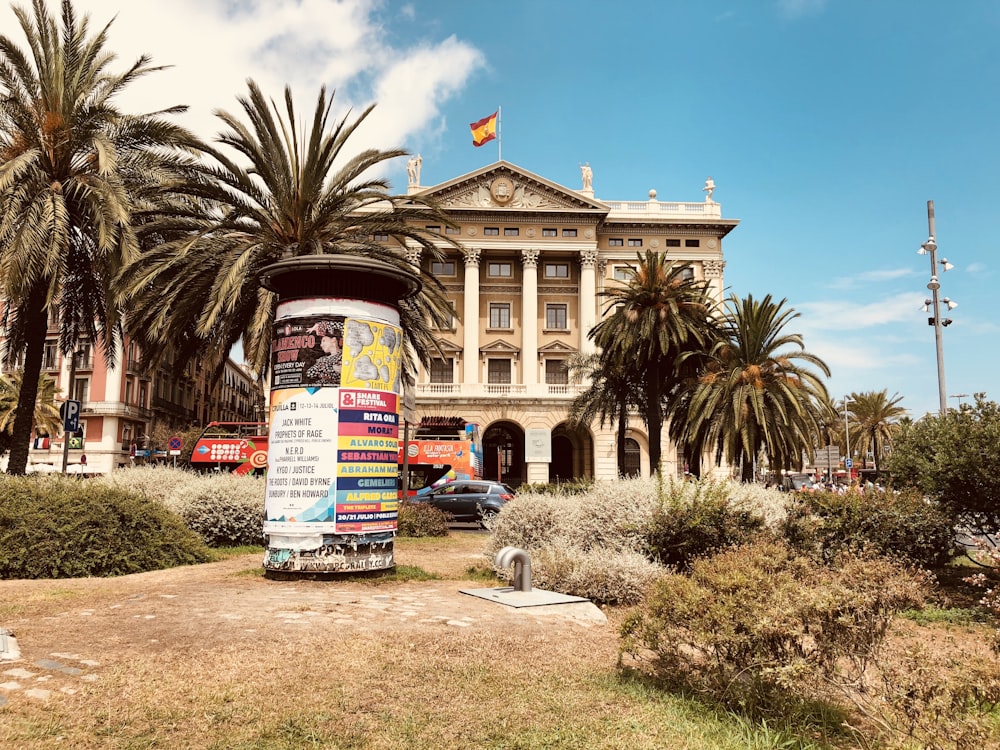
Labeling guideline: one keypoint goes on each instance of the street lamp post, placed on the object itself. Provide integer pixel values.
(934, 304)
(847, 441)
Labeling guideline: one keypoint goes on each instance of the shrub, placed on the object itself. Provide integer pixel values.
(157, 482)
(421, 519)
(753, 626)
(225, 510)
(901, 525)
(58, 527)
(698, 518)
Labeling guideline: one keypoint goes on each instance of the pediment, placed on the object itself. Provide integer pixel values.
(448, 347)
(505, 186)
(557, 347)
(499, 347)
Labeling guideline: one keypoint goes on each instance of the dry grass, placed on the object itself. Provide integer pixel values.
(213, 657)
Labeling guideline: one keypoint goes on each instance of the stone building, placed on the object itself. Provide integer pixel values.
(526, 290)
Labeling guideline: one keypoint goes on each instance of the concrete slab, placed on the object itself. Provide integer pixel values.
(8, 646)
(542, 602)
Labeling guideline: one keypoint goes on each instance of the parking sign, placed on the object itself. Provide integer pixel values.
(69, 410)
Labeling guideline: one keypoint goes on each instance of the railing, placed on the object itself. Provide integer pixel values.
(660, 208)
(115, 408)
(498, 390)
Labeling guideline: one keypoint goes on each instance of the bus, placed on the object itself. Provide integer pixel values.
(232, 447)
(443, 450)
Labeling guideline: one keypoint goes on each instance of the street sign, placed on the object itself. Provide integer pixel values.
(69, 410)
(175, 444)
(848, 463)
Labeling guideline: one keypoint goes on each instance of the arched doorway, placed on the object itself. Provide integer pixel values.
(503, 453)
(572, 454)
(633, 458)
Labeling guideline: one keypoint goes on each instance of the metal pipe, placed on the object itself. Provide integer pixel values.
(522, 566)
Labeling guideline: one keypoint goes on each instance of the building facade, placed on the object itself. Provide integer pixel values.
(121, 407)
(526, 291)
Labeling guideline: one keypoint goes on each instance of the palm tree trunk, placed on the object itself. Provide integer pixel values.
(654, 419)
(34, 350)
(622, 432)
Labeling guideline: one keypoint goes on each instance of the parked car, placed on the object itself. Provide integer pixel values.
(798, 483)
(470, 500)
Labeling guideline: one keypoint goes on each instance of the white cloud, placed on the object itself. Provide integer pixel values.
(872, 277)
(848, 316)
(214, 46)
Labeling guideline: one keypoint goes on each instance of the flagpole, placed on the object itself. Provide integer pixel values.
(499, 135)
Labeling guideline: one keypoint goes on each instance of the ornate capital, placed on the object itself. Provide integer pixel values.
(472, 256)
(529, 258)
(713, 268)
(588, 258)
(413, 255)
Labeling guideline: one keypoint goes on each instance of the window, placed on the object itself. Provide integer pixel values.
(81, 389)
(50, 359)
(634, 242)
(557, 270)
(549, 232)
(499, 315)
(492, 231)
(452, 230)
(435, 229)
(687, 273)
(555, 317)
(128, 391)
(443, 268)
(84, 355)
(511, 232)
(380, 237)
(449, 325)
(556, 372)
(143, 396)
(498, 371)
(616, 242)
(500, 269)
(673, 243)
(569, 233)
(692, 243)
(442, 370)
(624, 273)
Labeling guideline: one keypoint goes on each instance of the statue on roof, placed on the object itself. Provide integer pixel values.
(709, 189)
(413, 170)
(588, 176)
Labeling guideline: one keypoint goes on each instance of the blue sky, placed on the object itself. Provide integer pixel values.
(826, 125)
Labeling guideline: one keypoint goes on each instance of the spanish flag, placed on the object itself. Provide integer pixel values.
(484, 130)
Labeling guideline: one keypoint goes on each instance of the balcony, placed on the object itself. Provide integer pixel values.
(114, 409)
(444, 391)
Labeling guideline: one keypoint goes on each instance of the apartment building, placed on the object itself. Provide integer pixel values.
(121, 407)
(526, 290)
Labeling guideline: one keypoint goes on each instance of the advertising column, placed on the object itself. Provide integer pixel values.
(336, 357)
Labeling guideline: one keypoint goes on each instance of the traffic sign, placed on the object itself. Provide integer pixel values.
(69, 410)
(848, 463)
(175, 443)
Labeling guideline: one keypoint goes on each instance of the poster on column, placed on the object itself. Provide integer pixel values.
(332, 460)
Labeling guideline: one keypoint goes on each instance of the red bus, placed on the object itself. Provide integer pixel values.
(236, 447)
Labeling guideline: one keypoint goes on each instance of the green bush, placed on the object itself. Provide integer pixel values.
(902, 525)
(683, 528)
(225, 510)
(558, 488)
(58, 527)
(757, 625)
(421, 519)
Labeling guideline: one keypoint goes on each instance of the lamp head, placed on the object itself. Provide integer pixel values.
(927, 305)
(934, 284)
(947, 321)
(951, 303)
(945, 265)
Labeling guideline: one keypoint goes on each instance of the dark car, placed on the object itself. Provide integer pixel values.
(470, 500)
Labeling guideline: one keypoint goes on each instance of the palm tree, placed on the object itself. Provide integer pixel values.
(875, 421)
(659, 313)
(612, 394)
(754, 397)
(71, 169)
(46, 418)
(296, 193)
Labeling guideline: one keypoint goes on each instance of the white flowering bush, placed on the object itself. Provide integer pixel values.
(223, 509)
(598, 544)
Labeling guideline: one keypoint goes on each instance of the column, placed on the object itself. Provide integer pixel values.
(470, 319)
(529, 318)
(713, 274)
(588, 298)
